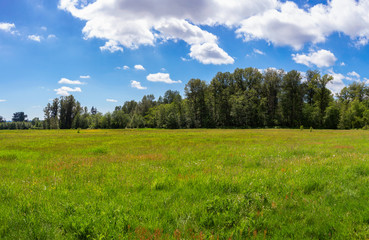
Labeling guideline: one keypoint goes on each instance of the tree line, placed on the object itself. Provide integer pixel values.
(245, 98)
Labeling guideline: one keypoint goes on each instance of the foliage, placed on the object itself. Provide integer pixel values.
(19, 117)
(246, 98)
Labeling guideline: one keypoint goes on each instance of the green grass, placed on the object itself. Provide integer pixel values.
(184, 184)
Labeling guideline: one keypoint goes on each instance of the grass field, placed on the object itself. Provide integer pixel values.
(184, 184)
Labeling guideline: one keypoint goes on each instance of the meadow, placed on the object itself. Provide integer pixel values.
(184, 184)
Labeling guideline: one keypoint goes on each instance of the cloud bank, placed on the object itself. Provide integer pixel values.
(134, 23)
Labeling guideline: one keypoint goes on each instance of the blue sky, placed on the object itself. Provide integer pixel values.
(106, 52)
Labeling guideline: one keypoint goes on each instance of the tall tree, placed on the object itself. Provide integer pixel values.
(220, 93)
(147, 102)
(19, 117)
(171, 96)
(195, 91)
(69, 109)
(271, 91)
(323, 96)
(129, 107)
(311, 85)
(292, 98)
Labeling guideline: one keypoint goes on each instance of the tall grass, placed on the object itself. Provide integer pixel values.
(184, 184)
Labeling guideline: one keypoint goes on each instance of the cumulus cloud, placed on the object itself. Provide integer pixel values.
(139, 67)
(287, 24)
(210, 53)
(137, 85)
(85, 77)
(339, 80)
(111, 46)
(133, 23)
(321, 58)
(7, 27)
(111, 100)
(125, 67)
(35, 38)
(70, 82)
(65, 91)
(337, 83)
(161, 77)
(2, 100)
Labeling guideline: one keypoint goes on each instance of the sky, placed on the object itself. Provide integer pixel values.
(106, 52)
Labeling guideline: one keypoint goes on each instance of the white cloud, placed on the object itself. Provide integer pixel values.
(342, 64)
(139, 67)
(210, 53)
(366, 81)
(65, 91)
(2, 100)
(85, 77)
(43, 28)
(161, 77)
(71, 82)
(35, 38)
(137, 85)
(354, 74)
(321, 58)
(257, 51)
(123, 68)
(51, 36)
(337, 83)
(111, 46)
(135, 23)
(7, 27)
(185, 59)
(287, 24)
(111, 100)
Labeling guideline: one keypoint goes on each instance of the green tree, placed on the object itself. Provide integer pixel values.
(332, 116)
(68, 110)
(19, 117)
(271, 92)
(220, 90)
(323, 96)
(120, 119)
(195, 91)
(292, 99)
(171, 96)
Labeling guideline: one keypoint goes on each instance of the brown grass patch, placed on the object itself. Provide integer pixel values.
(343, 147)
